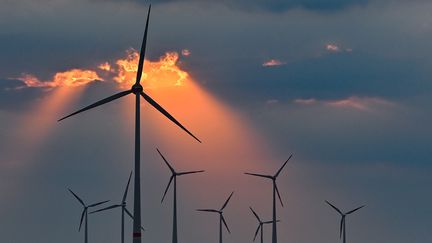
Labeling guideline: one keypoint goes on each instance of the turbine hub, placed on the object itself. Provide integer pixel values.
(137, 88)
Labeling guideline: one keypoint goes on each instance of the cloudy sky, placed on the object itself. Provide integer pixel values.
(343, 85)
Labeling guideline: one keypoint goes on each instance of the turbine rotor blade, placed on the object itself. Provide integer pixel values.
(259, 175)
(334, 207)
(165, 113)
(166, 162)
(96, 204)
(78, 198)
(226, 202)
(127, 189)
(279, 171)
(101, 102)
(130, 215)
(190, 172)
(107, 208)
(270, 222)
(279, 196)
(352, 211)
(256, 232)
(208, 210)
(256, 215)
(342, 222)
(168, 186)
(224, 222)
(143, 50)
(82, 218)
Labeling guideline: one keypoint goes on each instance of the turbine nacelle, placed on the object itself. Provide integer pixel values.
(137, 88)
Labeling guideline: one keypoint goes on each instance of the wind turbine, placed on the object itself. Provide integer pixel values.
(123, 208)
(174, 175)
(260, 225)
(275, 190)
(138, 91)
(221, 217)
(84, 214)
(342, 230)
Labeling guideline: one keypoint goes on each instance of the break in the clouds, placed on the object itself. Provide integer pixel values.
(122, 71)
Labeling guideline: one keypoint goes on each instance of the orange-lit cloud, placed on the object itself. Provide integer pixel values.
(161, 73)
(305, 101)
(335, 48)
(70, 78)
(359, 103)
(105, 66)
(332, 48)
(185, 52)
(273, 62)
(353, 102)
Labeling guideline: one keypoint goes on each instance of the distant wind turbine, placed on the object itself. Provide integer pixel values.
(138, 91)
(174, 175)
(123, 208)
(342, 230)
(260, 225)
(221, 217)
(84, 214)
(275, 190)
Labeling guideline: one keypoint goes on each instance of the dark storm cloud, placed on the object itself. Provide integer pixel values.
(326, 77)
(279, 5)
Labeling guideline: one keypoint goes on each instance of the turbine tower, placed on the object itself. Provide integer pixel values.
(123, 208)
(84, 214)
(275, 191)
(138, 91)
(260, 225)
(221, 217)
(342, 230)
(174, 175)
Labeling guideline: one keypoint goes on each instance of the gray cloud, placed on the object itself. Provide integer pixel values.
(280, 5)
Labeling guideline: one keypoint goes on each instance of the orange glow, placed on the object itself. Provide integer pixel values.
(226, 136)
(161, 73)
(35, 126)
(70, 78)
(105, 67)
(223, 131)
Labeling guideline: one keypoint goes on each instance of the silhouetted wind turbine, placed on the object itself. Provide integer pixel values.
(342, 230)
(260, 225)
(174, 175)
(138, 91)
(84, 214)
(221, 217)
(275, 190)
(123, 208)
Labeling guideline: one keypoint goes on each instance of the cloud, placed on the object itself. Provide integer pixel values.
(310, 101)
(273, 62)
(353, 102)
(332, 48)
(278, 5)
(70, 78)
(186, 52)
(272, 101)
(335, 48)
(163, 72)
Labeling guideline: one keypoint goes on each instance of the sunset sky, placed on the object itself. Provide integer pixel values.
(343, 85)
